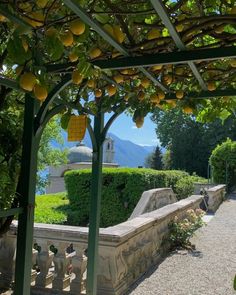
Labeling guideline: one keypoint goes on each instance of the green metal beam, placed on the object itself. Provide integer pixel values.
(52, 95)
(26, 191)
(77, 9)
(11, 212)
(9, 83)
(161, 11)
(95, 205)
(178, 57)
(206, 94)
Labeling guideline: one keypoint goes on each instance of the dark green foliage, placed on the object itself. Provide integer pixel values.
(184, 187)
(121, 191)
(154, 160)
(223, 163)
(189, 143)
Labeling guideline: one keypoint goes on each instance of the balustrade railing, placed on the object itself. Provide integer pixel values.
(126, 252)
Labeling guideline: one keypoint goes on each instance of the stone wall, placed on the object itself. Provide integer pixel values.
(215, 196)
(126, 252)
(154, 199)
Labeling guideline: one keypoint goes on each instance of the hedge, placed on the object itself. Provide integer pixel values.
(121, 191)
(223, 163)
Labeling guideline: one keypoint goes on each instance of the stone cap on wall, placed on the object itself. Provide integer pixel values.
(153, 199)
(117, 234)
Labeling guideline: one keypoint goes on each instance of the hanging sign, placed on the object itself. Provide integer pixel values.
(77, 127)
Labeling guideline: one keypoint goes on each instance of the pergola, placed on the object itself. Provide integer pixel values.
(152, 53)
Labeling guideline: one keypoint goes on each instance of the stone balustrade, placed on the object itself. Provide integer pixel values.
(126, 252)
(154, 199)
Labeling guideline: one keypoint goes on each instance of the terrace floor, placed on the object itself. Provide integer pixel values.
(209, 270)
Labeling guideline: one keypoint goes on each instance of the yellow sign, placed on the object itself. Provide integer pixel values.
(77, 127)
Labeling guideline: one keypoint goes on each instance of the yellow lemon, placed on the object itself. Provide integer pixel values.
(179, 94)
(145, 82)
(141, 96)
(25, 45)
(67, 38)
(2, 18)
(211, 86)
(91, 83)
(187, 110)
(51, 32)
(220, 29)
(108, 28)
(118, 78)
(154, 98)
(111, 90)
(233, 63)
(126, 97)
(36, 19)
(27, 81)
(153, 34)
(161, 94)
(157, 68)
(139, 122)
(125, 71)
(41, 3)
(233, 10)
(179, 28)
(94, 53)
(77, 78)
(18, 70)
(77, 27)
(98, 93)
(179, 71)
(40, 92)
(73, 57)
(167, 79)
(118, 34)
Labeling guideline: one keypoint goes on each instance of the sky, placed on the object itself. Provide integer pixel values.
(125, 128)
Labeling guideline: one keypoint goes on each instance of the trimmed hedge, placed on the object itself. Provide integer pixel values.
(223, 163)
(121, 191)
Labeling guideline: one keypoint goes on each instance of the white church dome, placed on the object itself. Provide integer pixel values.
(80, 153)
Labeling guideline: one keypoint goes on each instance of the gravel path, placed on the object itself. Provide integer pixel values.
(207, 271)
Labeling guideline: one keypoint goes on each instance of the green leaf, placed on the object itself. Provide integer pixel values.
(65, 120)
(54, 47)
(17, 52)
(235, 283)
(224, 115)
(102, 18)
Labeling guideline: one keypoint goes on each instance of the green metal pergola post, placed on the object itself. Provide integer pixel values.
(27, 200)
(95, 205)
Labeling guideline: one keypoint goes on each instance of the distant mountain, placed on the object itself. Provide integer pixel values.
(127, 153)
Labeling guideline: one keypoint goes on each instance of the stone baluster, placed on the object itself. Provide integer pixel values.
(7, 260)
(79, 265)
(61, 280)
(44, 261)
(33, 271)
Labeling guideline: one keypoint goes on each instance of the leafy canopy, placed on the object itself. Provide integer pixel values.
(57, 42)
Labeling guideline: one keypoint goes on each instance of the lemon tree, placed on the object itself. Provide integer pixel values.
(55, 35)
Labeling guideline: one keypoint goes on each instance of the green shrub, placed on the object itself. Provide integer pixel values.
(182, 230)
(223, 163)
(184, 187)
(48, 208)
(121, 191)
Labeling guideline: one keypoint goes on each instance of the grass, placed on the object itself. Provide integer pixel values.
(49, 208)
